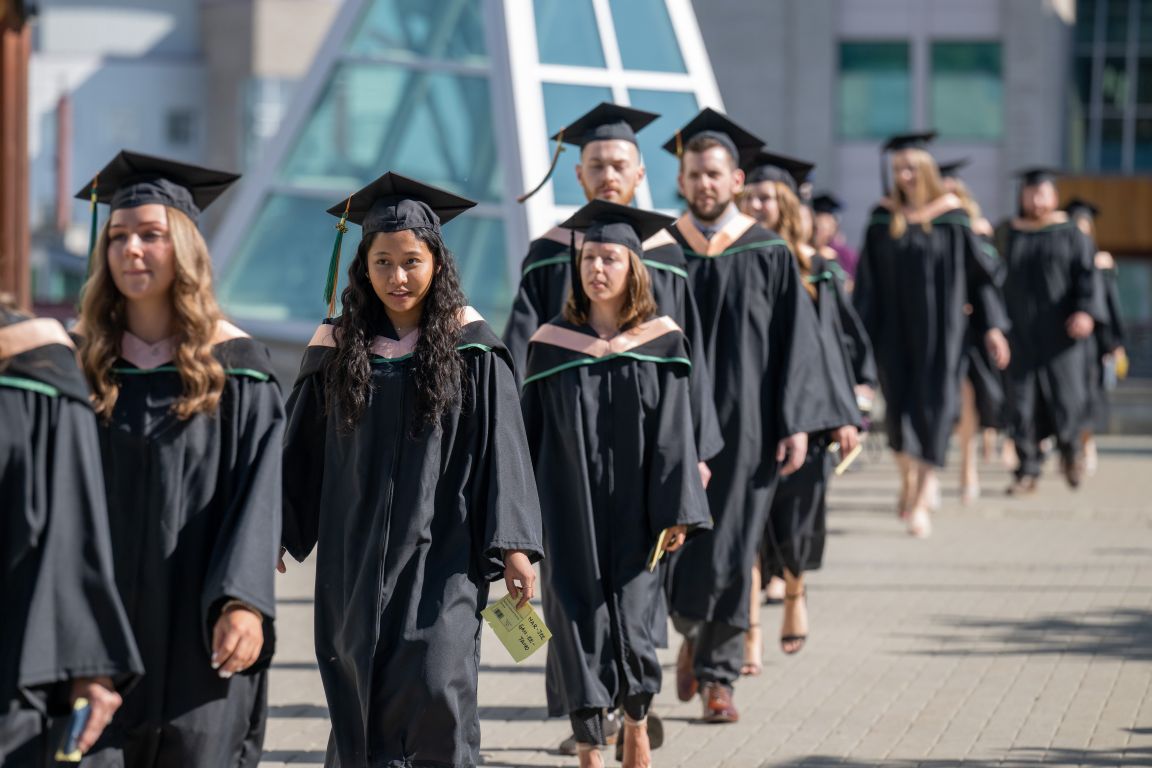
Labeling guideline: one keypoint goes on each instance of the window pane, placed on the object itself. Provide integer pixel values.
(374, 118)
(1111, 144)
(279, 271)
(562, 105)
(1086, 21)
(966, 90)
(1114, 83)
(1143, 145)
(1116, 23)
(1144, 81)
(875, 89)
(645, 35)
(1082, 71)
(675, 109)
(566, 33)
(436, 29)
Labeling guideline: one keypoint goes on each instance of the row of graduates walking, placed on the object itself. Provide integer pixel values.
(744, 369)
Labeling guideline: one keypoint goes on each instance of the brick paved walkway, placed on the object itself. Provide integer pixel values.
(1019, 635)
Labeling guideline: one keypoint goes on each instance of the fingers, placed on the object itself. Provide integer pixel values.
(781, 451)
(104, 703)
(529, 590)
(675, 541)
(228, 640)
(245, 655)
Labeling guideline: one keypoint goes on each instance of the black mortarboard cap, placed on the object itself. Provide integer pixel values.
(132, 179)
(917, 140)
(1078, 207)
(1030, 177)
(952, 168)
(604, 122)
(740, 143)
(826, 202)
(605, 222)
(769, 166)
(391, 203)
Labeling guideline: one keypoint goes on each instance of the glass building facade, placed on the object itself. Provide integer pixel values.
(462, 94)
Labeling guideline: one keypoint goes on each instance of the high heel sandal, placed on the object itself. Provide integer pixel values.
(797, 640)
(920, 523)
(753, 652)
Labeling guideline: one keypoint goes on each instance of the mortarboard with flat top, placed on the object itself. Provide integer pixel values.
(915, 140)
(952, 168)
(740, 143)
(391, 203)
(1080, 207)
(826, 202)
(1030, 177)
(769, 166)
(604, 122)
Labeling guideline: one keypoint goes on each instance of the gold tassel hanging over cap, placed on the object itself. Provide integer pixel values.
(551, 168)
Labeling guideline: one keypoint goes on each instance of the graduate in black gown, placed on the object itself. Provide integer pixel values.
(64, 633)
(920, 266)
(1051, 294)
(793, 540)
(606, 410)
(760, 337)
(611, 169)
(407, 469)
(1109, 332)
(190, 426)
(982, 390)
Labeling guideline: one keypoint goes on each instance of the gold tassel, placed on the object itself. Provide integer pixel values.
(551, 168)
(334, 260)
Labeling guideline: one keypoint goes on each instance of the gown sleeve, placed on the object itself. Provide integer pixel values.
(526, 316)
(702, 403)
(244, 562)
(857, 344)
(867, 296)
(1087, 293)
(304, 439)
(984, 273)
(76, 625)
(504, 488)
(675, 492)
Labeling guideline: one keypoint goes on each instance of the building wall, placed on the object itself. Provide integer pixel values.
(777, 63)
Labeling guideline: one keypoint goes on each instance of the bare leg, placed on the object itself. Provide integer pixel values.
(589, 756)
(907, 468)
(966, 432)
(794, 630)
(753, 645)
(1091, 460)
(920, 521)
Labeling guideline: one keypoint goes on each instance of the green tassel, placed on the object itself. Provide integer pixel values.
(334, 265)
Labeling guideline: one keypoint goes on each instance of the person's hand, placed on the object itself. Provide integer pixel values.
(1080, 325)
(280, 561)
(103, 699)
(519, 576)
(675, 538)
(705, 473)
(848, 437)
(236, 640)
(791, 452)
(998, 349)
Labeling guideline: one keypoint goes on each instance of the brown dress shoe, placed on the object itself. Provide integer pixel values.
(718, 706)
(686, 684)
(1073, 471)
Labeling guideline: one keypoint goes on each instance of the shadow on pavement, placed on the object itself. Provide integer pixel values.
(1120, 634)
(1024, 757)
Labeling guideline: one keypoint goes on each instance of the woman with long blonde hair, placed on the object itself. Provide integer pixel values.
(190, 422)
(921, 264)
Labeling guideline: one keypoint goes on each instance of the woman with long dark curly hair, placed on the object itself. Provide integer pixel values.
(406, 466)
(190, 422)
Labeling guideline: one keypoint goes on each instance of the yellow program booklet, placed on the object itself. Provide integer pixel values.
(521, 631)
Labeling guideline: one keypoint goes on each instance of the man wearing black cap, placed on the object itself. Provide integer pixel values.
(761, 342)
(1053, 303)
(610, 169)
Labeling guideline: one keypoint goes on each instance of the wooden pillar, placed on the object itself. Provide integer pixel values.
(15, 47)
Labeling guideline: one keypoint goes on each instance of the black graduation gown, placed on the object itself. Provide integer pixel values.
(987, 380)
(1109, 337)
(194, 507)
(409, 532)
(62, 616)
(544, 288)
(795, 534)
(1050, 275)
(910, 293)
(609, 428)
(764, 357)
